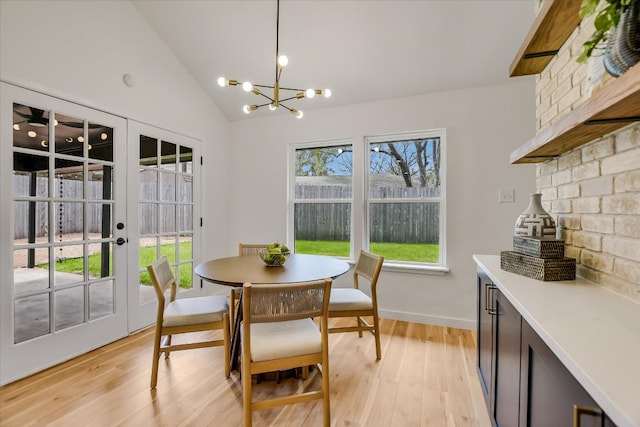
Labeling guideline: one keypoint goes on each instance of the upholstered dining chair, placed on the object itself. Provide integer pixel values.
(185, 315)
(234, 294)
(354, 303)
(278, 332)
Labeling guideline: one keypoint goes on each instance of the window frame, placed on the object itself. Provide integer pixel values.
(436, 268)
(291, 188)
(361, 200)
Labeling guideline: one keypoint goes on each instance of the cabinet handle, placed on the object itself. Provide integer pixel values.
(578, 411)
(488, 296)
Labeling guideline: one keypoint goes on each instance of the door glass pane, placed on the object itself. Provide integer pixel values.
(69, 181)
(167, 187)
(31, 222)
(186, 247)
(186, 159)
(167, 218)
(185, 192)
(101, 299)
(31, 317)
(99, 217)
(185, 276)
(148, 218)
(69, 307)
(100, 260)
(169, 249)
(148, 151)
(30, 127)
(69, 221)
(70, 138)
(30, 175)
(100, 182)
(186, 217)
(148, 184)
(69, 265)
(100, 142)
(30, 275)
(168, 153)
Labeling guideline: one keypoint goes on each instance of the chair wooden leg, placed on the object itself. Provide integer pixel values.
(360, 325)
(246, 392)
(156, 357)
(377, 336)
(326, 393)
(227, 339)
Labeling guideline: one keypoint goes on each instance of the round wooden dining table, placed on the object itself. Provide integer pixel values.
(237, 270)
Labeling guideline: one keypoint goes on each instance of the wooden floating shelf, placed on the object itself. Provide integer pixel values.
(612, 107)
(553, 25)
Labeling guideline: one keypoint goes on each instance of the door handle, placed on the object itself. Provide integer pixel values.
(121, 241)
(488, 297)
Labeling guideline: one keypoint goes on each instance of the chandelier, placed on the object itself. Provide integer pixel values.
(275, 100)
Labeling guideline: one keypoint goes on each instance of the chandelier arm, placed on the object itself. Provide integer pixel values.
(268, 87)
(284, 106)
(291, 88)
(288, 99)
(268, 97)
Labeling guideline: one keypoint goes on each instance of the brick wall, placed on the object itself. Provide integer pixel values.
(593, 191)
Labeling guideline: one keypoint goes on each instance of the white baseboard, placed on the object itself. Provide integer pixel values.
(428, 319)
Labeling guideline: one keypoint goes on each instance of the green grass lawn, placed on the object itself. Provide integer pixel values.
(147, 256)
(390, 251)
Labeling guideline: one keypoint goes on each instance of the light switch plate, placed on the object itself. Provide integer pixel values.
(506, 196)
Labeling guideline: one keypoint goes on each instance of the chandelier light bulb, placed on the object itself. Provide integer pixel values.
(283, 60)
(247, 86)
(327, 93)
(246, 109)
(31, 133)
(222, 82)
(81, 138)
(16, 127)
(299, 115)
(55, 122)
(310, 93)
(103, 136)
(273, 107)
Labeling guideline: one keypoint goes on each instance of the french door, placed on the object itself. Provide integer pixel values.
(63, 261)
(164, 214)
(88, 200)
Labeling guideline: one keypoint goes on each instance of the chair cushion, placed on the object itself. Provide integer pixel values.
(278, 340)
(190, 311)
(349, 299)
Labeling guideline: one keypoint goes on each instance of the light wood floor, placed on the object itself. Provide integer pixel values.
(427, 377)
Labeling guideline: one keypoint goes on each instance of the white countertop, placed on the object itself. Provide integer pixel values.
(593, 331)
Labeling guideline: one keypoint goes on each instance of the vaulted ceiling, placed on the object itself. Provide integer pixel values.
(362, 50)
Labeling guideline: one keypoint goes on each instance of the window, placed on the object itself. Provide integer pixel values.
(322, 198)
(386, 196)
(405, 199)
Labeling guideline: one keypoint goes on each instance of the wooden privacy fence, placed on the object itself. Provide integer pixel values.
(390, 222)
(68, 215)
(400, 222)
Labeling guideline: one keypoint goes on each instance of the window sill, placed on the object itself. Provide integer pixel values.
(400, 267)
(397, 267)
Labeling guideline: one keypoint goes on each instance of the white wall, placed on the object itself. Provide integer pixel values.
(79, 51)
(483, 126)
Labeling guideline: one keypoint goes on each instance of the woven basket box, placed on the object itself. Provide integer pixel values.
(540, 247)
(550, 269)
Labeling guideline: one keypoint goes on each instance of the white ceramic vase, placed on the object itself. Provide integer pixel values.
(535, 221)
